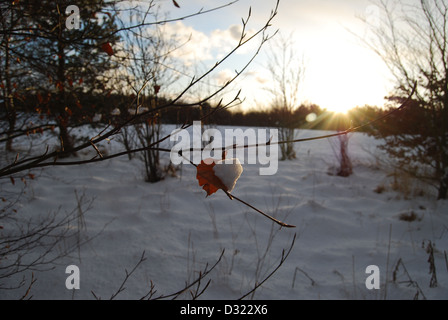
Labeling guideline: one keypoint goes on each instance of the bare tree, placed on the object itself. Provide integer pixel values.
(149, 67)
(287, 70)
(340, 145)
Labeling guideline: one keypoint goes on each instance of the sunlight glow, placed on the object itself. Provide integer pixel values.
(341, 76)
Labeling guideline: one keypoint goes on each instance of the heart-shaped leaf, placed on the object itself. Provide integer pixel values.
(207, 178)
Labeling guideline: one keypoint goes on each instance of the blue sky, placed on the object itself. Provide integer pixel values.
(341, 72)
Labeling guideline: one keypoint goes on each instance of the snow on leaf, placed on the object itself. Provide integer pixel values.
(228, 171)
(218, 174)
(207, 178)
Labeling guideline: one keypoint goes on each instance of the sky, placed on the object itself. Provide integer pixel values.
(341, 72)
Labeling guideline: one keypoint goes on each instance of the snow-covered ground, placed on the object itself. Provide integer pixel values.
(343, 225)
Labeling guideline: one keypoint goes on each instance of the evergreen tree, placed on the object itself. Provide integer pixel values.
(412, 40)
(67, 60)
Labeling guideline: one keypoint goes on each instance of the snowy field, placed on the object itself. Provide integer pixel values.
(343, 225)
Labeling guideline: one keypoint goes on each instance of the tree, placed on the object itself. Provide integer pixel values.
(149, 72)
(412, 41)
(287, 71)
(340, 148)
(64, 63)
(11, 70)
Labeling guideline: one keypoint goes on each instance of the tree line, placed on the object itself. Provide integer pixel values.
(100, 109)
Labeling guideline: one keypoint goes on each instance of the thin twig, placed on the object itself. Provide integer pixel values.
(202, 275)
(306, 275)
(27, 292)
(281, 223)
(410, 280)
(128, 274)
(282, 260)
(231, 197)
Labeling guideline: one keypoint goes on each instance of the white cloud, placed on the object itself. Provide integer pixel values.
(223, 76)
(199, 46)
(195, 44)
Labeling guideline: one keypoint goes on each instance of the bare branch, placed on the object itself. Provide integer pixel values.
(283, 258)
(202, 275)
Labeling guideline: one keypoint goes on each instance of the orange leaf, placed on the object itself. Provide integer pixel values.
(59, 85)
(107, 48)
(207, 178)
(69, 112)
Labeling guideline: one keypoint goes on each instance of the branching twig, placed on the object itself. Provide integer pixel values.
(285, 255)
(27, 292)
(202, 275)
(410, 280)
(306, 275)
(128, 274)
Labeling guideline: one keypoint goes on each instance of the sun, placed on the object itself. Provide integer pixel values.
(340, 92)
(345, 78)
(336, 101)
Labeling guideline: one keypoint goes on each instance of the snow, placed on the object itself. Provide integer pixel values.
(228, 171)
(115, 112)
(344, 225)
